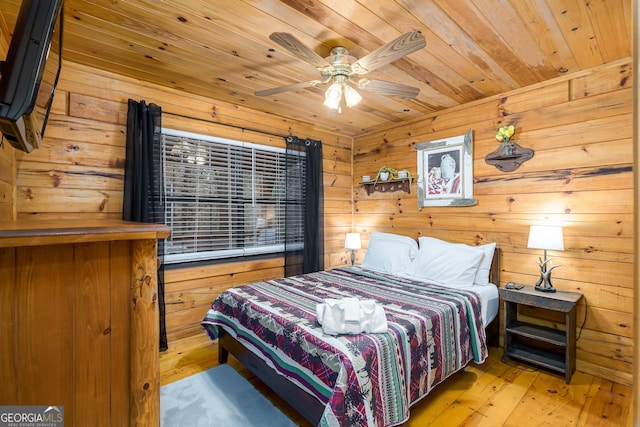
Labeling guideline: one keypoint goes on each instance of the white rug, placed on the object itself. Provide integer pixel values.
(218, 397)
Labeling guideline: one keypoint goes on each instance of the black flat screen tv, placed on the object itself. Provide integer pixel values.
(30, 72)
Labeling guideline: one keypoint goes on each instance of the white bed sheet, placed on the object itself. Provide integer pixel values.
(489, 299)
(488, 295)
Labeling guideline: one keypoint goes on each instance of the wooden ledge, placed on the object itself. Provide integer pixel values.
(395, 184)
(48, 232)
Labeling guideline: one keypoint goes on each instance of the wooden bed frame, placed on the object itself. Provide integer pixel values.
(306, 404)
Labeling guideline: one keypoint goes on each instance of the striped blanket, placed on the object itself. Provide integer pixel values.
(365, 379)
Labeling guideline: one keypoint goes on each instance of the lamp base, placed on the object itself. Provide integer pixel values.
(544, 283)
(542, 288)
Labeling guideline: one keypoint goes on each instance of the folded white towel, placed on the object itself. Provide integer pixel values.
(351, 309)
(351, 316)
(331, 315)
(375, 320)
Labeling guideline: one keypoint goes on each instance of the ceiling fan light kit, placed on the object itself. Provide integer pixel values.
(343, 70)
(339, 93)
(351, 96)
(333, 96)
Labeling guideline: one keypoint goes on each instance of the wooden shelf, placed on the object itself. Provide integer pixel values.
(510, 162)
(542, 333)
(537, 356)
(397, 184)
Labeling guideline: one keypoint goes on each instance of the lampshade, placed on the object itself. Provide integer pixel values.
(546, 237)
(333, 95)
(351, 96)
(352, 241)
(339, 89)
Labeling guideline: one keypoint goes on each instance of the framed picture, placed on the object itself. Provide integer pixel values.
(445, 172)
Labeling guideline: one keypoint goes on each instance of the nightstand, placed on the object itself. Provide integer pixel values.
(551, 348)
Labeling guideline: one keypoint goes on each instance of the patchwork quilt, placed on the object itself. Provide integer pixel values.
(364, 379)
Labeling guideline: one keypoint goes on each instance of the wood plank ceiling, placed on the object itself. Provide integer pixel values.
(221, 48)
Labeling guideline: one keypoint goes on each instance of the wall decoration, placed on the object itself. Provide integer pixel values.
(388, 179)
(509, 156)
(445, 172)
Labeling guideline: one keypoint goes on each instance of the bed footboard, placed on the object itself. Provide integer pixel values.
(304, 403)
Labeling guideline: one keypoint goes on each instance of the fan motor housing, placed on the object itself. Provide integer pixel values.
(340, 60)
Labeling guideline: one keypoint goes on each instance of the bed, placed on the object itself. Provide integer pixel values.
(434, 329)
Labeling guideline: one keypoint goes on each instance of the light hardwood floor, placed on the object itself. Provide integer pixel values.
(491, 394)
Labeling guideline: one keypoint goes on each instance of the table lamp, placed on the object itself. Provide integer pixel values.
(352, 242)
(547, 237)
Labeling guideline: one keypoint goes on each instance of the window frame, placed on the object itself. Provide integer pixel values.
(240, 204)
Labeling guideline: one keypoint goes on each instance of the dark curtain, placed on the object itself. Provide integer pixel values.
(304, 207)
(143, 201)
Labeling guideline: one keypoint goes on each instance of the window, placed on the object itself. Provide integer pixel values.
(223, 198)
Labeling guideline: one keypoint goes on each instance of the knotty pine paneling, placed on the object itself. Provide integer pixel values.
(469, 54)
(76, 327)
(79, 173)
(7, 166)
(189, 292)
(580, 128)
(45, 295)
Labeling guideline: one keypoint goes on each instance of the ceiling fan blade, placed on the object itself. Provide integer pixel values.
(387, 88)
(286, 88)
(394, 50)
(296, 47)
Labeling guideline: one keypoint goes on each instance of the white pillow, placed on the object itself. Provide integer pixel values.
(452, 264)
(390, 253)
(482, 275)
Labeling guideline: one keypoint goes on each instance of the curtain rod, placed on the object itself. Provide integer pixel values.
(243, 128)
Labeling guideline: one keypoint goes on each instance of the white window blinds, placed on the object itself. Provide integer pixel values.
(223, 198)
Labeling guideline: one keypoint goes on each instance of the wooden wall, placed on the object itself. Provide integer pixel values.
(7, 182)
(78, 173)
(580, 177)
(580, 127)
(7, 169)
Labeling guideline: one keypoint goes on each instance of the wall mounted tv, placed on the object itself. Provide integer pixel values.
(30, 72)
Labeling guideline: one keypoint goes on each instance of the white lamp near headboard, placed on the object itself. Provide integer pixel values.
(547, 237)
(352, 242)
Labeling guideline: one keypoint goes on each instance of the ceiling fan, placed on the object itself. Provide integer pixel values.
(343, 71)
